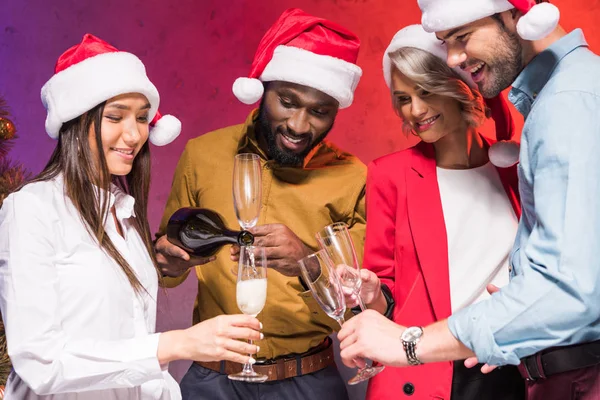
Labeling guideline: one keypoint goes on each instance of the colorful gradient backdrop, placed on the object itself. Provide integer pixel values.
(193, 51)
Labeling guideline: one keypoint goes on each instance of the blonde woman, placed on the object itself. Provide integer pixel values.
(441, 219)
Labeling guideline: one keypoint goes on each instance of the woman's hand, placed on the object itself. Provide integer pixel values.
(215, 339)
(370, 292)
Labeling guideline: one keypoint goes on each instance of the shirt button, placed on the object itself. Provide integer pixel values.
(408, 389)
(534, 95)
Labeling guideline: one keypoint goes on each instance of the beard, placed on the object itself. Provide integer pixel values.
(505, 66)
(283, 156)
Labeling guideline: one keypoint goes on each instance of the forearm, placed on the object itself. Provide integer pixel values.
(171, 346)
(438, 344)
(66, 365)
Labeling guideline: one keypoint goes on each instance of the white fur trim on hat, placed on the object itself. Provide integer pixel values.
(415, 36)
(330, 75)
(504, 153)
(538, 22)
(165, 130)
(82, 86)
(441, 15)
(248, 90)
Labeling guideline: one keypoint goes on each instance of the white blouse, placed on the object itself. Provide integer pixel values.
(74, 325)
(481, 227)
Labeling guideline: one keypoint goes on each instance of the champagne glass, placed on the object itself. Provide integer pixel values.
(319, 273)
(335, 239)
(247, 189)
(251, 295)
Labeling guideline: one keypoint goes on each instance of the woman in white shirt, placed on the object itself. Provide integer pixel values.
(78, 276)
(441, 218)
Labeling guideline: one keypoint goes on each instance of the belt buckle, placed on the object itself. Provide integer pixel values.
(533, 367)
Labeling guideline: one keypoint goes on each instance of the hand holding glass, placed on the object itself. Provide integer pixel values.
(319, 273)
(251, 295)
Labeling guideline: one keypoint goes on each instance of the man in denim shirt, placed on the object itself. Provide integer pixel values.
(548, 317)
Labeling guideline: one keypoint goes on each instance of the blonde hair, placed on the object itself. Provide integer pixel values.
(433, 75)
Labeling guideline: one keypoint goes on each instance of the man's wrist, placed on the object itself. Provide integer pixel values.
(410, 339)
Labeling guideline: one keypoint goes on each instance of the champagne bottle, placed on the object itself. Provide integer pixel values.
(202, 232)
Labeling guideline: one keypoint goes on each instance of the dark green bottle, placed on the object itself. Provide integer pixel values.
(202, 232)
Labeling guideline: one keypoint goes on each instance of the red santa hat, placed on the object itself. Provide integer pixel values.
(306, 50)
(537, 22)
(92, 72)
(505, 152)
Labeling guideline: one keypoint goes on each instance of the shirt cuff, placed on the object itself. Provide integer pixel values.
(145, 354)
(471, 327)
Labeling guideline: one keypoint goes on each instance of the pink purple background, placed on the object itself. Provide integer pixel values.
(193, 51)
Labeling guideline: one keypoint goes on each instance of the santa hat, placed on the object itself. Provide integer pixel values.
(505, 152)
(307, 50)
(537, 22)
(415, 36)
(92, 72)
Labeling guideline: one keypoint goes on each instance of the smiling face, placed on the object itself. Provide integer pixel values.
(124, 130)
(489, 49)
(430, 116)
(293, 119)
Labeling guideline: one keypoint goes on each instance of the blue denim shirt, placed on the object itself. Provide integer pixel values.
(554, 294)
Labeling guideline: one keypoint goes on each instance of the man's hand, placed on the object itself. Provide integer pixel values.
(173, 260)
(282, 247)
(472, 361)
(373, 336)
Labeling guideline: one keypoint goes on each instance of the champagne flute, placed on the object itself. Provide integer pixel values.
(335, 239)
(319, 273)
(251, 295)
(247, 189)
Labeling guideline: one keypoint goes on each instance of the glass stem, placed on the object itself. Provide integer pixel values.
(361, 303)
(248, 366)
(341, 322)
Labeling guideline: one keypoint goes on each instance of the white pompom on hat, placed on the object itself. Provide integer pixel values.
(92, 72)
(537, 22)
(307, 50)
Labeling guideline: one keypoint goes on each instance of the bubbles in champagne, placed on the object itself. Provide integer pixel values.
(251, 295)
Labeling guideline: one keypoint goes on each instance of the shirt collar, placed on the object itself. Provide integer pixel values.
(124, 203)
(248, 143)
(537, 73)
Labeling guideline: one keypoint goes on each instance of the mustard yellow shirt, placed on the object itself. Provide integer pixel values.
(330, 187)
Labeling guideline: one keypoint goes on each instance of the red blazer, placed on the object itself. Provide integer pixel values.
(406, 246)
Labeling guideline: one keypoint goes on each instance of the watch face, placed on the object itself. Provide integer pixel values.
(412, 334)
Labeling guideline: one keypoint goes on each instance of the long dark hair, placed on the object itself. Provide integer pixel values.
(82, 173)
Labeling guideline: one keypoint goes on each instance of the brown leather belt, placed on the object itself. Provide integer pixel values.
(556, 360)
(282, 367)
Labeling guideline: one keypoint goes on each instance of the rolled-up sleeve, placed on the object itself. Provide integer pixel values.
(553, 299)
(44, 356)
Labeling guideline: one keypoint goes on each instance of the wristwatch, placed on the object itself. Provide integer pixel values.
(410, 337)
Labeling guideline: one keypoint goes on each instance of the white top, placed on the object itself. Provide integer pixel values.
(74, 325)
(481, 226)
